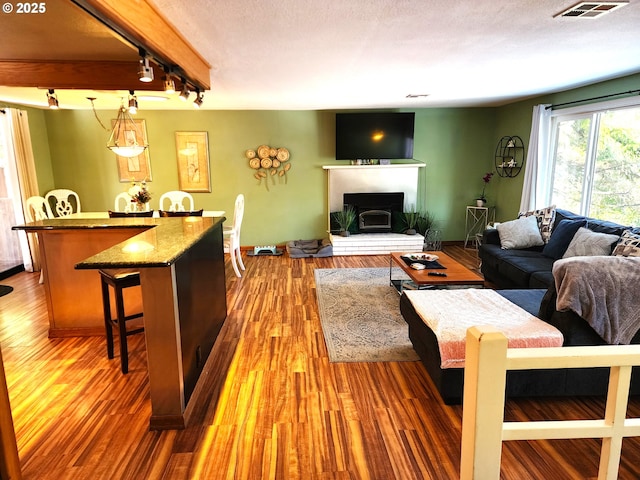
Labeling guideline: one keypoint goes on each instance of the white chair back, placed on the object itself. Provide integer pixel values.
(123, 203)
(238, 213)
(176, 199)
(232, 242)
(60, 202)
(36, 209)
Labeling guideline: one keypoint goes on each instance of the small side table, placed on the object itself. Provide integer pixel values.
(476, 221)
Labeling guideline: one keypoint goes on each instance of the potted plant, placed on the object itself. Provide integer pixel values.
(481, 201)
(425, 223)
(345, 219)
(411, 219)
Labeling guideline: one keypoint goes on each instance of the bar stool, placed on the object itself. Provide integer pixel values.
(118, 279)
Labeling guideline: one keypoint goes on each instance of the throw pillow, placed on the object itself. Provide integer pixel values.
(520, 233)
(561, 238)
(545, 217)
(586, 243)
(629, 245)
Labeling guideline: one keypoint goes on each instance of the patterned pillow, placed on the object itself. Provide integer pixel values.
(629, 245)
(586, 243)
(545, 217)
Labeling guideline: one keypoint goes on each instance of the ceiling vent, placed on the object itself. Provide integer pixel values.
(591, 9)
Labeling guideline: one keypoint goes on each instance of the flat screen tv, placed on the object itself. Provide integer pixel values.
(382, 135)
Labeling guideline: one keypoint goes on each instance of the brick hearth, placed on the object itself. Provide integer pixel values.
(376, 243)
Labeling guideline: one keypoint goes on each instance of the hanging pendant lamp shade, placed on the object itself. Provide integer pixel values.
(124, 136)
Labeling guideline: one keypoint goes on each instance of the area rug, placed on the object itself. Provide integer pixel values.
(360, 316)
(4, 289)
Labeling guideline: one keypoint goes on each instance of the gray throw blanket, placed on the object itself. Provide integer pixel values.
(605, 291)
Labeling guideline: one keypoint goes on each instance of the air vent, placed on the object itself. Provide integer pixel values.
(591, 9)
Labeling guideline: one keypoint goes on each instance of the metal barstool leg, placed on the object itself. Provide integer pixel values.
(106, 307)
(122, 328)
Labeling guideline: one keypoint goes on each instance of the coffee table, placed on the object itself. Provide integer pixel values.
(457, 274)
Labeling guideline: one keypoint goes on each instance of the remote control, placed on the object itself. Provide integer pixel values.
(417, 266)
(437, 274)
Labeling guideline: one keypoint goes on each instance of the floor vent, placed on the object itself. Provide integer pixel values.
(591, 9)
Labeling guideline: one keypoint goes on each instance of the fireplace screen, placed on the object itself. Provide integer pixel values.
(374, 220)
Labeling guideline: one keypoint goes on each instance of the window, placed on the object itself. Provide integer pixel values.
(596, 161)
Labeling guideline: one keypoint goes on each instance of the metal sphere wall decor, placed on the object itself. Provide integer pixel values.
(269, 162)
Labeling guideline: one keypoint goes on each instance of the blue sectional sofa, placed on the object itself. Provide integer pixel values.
(531, 267)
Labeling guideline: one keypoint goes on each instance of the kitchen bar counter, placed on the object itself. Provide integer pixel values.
(183, 291)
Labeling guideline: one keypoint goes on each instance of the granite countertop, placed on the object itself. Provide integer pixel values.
(165, 240)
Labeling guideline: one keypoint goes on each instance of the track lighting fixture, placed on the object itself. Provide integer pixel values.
(133, 103)
(169, 85)
(145, 71)
(197, 103)
(124, 136)
(184, 94)
(52, 99)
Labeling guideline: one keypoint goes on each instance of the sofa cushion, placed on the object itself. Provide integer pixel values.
(520, 268)
(520, 233)
(588, 243)
(593, 224)
(546, 217)
(527, 299)
(541, 279)
(561, 237)
(629, 245)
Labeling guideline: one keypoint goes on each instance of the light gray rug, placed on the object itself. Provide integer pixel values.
(360, 316)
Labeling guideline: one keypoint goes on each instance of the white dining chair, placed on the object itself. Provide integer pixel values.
(123, 203)
(232, 234)
(62, 202)
(176, 199)
(35, 210)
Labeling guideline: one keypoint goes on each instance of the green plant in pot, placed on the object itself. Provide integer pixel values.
(345, 219)
(411, 219)
(426, 222)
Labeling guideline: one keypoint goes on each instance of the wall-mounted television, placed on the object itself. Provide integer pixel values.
(374, 135)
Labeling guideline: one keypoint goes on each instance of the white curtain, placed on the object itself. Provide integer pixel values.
(537, 171)
(20, 148)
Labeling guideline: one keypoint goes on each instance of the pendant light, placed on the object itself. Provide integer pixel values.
(124, 136)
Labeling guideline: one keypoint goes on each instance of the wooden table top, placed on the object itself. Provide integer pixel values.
(457, 274)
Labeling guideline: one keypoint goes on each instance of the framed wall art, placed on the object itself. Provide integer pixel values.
(192, 149)
(134, 169)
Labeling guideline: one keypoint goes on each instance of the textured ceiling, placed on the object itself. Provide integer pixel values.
(306, 54)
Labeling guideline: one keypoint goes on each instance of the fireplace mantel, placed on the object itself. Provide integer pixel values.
(398, 177)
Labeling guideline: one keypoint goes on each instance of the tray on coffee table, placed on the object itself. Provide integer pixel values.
(456, 273)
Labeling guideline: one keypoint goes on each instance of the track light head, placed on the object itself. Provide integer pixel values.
(169, 85)
(145, 70)
(184, 94)
(133, 103)
(197, 103)
(52, 99)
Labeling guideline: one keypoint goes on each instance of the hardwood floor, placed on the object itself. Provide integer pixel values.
(283, 410)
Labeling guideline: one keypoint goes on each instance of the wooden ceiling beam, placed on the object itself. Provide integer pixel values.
(139, 22)
(89, 75)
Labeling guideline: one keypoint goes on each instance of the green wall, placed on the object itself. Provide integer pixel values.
(457, 146)
(446, 140)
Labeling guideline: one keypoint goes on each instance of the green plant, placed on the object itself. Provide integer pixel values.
(345, 218)
(411, 219)
(426, 222)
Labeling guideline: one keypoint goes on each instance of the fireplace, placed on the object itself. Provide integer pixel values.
(374, 210)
